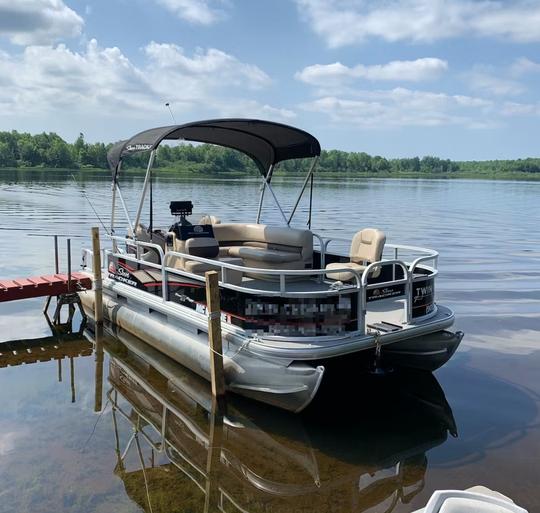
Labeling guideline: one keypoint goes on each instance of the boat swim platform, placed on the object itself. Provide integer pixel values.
(18, 352)
(42, 286)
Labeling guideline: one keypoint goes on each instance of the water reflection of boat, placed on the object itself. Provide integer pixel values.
(182, 453)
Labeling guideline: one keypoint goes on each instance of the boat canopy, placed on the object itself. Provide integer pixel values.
(267, 143)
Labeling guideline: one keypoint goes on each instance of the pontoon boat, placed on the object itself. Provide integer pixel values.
(291, 304)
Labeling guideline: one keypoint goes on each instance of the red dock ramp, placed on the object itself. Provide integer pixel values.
(40, 286)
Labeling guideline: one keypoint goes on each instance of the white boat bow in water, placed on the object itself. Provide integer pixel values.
(477, 499)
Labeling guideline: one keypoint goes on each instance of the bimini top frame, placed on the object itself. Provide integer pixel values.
(266, 142)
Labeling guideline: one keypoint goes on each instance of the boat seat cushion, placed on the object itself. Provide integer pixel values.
(266, 246)
(263, 255)
(367, 245)
(344, 275)
(205, 247)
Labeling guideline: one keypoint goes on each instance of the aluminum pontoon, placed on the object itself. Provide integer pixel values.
(291, 303)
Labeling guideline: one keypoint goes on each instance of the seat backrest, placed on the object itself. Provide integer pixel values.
(367, 246)
(270, 237)
(206, 247)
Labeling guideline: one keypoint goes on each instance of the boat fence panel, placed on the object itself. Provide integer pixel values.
(278, 306)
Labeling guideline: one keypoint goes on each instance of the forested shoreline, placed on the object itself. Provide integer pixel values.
(49, 150)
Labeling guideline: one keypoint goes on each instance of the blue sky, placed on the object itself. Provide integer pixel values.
(457, 79)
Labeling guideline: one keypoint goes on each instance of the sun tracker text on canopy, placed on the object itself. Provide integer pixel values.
(267, 143)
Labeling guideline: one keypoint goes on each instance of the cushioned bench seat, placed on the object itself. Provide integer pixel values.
(266, 247)
(263, 255)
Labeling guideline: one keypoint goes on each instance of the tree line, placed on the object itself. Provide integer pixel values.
(49, 150)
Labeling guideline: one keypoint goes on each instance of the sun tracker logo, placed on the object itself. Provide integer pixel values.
(138, 147)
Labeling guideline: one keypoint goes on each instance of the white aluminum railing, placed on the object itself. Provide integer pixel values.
(360, 281)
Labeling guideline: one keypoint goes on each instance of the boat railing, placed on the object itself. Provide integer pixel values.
(322, 247)
(359, 284)
(427, 254)
(282, 274)
(406, 280)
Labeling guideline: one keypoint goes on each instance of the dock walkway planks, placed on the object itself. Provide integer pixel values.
(40, 286)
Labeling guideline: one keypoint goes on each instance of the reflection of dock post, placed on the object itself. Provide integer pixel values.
(98, 348)
(72, 377)
(214, 334)
(215, 440)
(98, 286)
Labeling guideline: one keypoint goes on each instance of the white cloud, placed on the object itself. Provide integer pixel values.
(225, 68)
(335, 74)
(523, 66)
(343, 22)
(511, 109)
(403, 107)
(254, 109)
(33, 22)
(491, 82)
(203, 12)
(104, 82)
(9, 439)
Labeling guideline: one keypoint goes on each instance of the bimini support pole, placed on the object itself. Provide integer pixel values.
(277, 202)
(113, 203)
(266, 180)
(308, 176)
(125, 209)
(145, 187)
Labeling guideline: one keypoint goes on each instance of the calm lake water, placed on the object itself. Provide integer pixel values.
(376, 445)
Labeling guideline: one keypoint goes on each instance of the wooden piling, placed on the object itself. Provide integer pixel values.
(214, 334)
(98, 284)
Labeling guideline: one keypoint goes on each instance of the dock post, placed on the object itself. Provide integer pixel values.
(56, 259)
(98, 284)
(69, 264)
(214, 334)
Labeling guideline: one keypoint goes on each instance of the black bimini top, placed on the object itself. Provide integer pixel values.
(267, 143)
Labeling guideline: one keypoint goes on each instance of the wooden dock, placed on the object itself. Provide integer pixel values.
(42, 286)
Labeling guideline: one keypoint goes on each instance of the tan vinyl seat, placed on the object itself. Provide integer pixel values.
(366, 247)
(263, 255)
(266, 247)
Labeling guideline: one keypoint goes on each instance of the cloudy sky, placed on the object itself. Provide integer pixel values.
(457, 79)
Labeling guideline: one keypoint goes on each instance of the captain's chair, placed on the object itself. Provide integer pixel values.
(366, 248)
